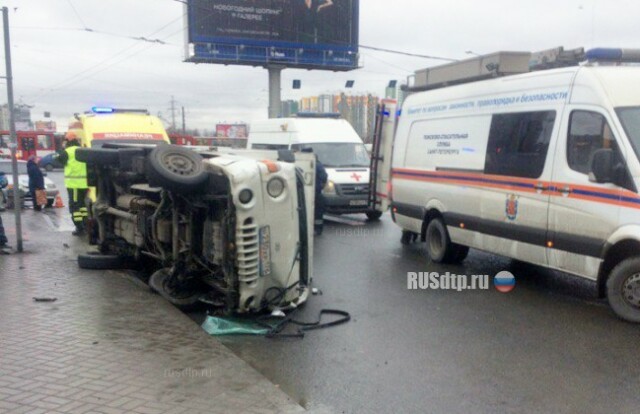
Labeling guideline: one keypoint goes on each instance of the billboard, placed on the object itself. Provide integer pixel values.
(46, 126)
(231, 131)
(309, 34)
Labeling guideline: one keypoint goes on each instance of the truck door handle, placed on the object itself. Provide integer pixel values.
(541, 187)
(565, 191)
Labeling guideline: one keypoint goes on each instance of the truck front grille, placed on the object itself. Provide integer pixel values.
(248, 251)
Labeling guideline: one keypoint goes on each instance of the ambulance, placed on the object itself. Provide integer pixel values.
(337, 146)
(104, 125)
(542, 167)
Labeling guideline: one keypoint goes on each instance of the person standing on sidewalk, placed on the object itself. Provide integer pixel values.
(36, 182)
(75, 179)
(3, 237)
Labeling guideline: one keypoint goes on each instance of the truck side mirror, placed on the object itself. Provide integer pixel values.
(602, 166)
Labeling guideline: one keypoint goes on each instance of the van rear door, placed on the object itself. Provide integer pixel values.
(381, 151)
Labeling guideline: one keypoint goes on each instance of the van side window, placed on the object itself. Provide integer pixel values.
(588, 132)
(518, 143)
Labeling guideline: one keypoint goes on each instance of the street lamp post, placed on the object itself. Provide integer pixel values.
(17, 205)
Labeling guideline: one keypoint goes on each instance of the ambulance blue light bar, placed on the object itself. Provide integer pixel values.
(102, 110)
(109, 110)
(613, 55)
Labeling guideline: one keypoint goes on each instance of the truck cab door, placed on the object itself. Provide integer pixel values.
(583, 214)
(381, 153)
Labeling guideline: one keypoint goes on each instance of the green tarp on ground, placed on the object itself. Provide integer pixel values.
(232, 326)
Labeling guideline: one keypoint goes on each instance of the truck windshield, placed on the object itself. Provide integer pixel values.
(630, 119)
(338, 155)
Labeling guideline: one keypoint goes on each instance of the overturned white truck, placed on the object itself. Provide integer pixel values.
(227, 229)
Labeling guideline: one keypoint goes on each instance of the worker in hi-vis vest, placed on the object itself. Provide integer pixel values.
(75, 179)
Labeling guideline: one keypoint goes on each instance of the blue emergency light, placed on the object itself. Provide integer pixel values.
(102, 110)
(613, 55)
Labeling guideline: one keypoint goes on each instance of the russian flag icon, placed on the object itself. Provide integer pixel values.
(504, 282)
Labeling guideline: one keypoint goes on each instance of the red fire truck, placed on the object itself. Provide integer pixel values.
(36, 143)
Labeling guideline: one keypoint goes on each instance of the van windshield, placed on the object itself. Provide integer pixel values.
(630, 119)
(338, 155)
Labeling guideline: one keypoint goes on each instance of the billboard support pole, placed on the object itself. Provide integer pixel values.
(275, 89)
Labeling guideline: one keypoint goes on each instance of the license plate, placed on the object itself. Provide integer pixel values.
(359, 202)
(265, 251)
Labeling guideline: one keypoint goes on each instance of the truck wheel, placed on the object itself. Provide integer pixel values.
(184, 298)
(439, 245)
(374, 215)
(98, 261)
(177, 169)
(623, 290)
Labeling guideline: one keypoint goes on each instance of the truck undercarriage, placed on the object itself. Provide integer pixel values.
(167, 208)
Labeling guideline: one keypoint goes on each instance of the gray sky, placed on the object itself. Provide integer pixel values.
(58, 67)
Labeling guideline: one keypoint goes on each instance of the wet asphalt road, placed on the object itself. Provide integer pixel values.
(548, 346)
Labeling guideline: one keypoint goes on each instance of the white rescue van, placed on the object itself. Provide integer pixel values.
(541, 167)
(339, 149)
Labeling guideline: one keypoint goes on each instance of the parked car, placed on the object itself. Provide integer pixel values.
(50, 162)
(23, 181)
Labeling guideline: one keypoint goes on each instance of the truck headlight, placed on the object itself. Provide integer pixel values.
(245, 196)
(275, 187)
(329, 188)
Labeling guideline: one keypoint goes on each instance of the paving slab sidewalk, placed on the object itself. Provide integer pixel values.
(107, 344)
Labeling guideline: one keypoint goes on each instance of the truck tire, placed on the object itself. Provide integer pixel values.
(374, 215)
(184, 300)
(439, 245)
(98, 261)
(176, 169)
(623, 290)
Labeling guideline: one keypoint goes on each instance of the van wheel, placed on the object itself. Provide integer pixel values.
(439, 245)
(176, 169)
(623, 290)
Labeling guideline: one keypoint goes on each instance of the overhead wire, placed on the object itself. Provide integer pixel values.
(77, 14)
(78, 76)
